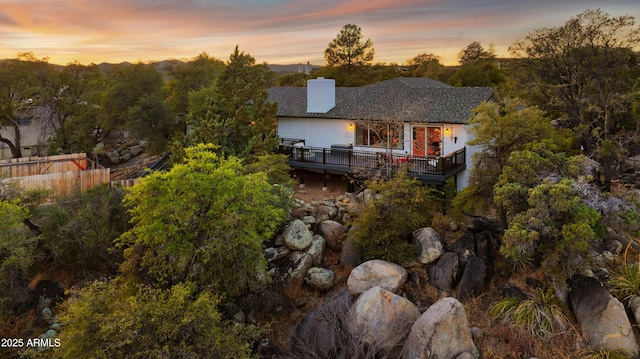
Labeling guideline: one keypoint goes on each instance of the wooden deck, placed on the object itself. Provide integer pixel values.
(431, 169)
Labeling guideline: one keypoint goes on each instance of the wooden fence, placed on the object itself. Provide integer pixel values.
(63, 175)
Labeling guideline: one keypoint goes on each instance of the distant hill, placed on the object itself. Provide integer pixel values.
(279, 69)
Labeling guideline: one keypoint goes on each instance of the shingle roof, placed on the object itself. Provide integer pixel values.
(412, 99)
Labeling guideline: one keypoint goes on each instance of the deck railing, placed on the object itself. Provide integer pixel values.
(351, 159)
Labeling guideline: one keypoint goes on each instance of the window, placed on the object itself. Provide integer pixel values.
(379, 134)
(23, 121)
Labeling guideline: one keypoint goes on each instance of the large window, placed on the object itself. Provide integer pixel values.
(379, 134)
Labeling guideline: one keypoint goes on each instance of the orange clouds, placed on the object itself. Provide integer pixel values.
(275, 31)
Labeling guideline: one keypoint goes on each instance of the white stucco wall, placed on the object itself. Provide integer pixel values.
(316, 132)
(32, 140)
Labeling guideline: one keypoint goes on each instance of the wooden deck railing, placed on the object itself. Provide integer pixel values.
(351, 159)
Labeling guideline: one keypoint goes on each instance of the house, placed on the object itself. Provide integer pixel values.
(34, 135)
(417, 122)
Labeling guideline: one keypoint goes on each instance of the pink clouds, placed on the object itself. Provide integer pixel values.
(275, 31)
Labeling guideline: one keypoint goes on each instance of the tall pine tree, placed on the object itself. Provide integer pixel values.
(235, 114)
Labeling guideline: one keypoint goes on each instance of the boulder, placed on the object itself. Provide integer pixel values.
(634, 309)
(472, 282)
(485, 241)
(350, 254)
(274, 254)
(295, 266)
(316, 249)
(429, 244)
(135, 150)
(381, 319)
(441, 332)
(602, 318)
(465, 248)
(297, 236)
(320, 278)
(376, 273)
(334, 232)
(443, 274)
(318, 334)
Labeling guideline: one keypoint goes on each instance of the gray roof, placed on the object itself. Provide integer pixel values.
(412, 99)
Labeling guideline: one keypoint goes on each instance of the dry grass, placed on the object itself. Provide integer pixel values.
(502, 340)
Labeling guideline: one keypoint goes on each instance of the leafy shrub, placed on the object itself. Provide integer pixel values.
(120, 320)
(17, 252)
(203, 221)
(557, 226)
(382, 227)
(78, 235)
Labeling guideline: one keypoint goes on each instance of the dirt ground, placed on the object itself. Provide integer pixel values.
(312, 191)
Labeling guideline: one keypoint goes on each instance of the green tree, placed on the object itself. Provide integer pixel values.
(475, 52)
(135, 101)
(235, 114)
(17, 253)
(23, 95)
(478, 74)
(347, 49)
(185, 77)
(77, 109)
(383, 226)
(498, 129)
(203, 221)
(583, 74)
(427, 65)
(120, 320)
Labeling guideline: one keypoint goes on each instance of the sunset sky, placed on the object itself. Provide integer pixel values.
(273, 31)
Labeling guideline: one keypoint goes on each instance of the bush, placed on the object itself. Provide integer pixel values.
(78, 235)
(625, 282)
(120, 320)
(17, 253)
(543, 316)
(203, 221)
(382, 228)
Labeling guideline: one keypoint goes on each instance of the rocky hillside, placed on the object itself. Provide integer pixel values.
(327, 303)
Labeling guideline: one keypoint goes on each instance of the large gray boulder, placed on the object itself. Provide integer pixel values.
(602, 318)
(443, 274)
(376, 273)
(334, 232)
(320, 334)
(297, 236)
(442, 332)
(429, 244)
(381, 319)
(472, 282)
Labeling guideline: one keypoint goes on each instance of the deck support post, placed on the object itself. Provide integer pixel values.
(301, 178)
(324, 181)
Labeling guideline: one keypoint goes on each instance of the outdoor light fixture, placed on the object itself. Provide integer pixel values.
(351, 126)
